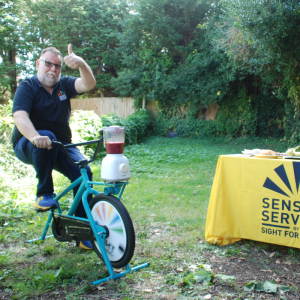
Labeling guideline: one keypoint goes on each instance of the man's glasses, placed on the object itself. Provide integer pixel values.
(49, 64)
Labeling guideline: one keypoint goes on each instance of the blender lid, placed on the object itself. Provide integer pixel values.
(112, 128)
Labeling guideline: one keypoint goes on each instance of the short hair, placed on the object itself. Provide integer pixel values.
(51, 49)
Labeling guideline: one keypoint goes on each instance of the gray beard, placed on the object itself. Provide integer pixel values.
(47, 83)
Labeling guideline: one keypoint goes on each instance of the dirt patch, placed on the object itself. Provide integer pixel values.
(273, 265)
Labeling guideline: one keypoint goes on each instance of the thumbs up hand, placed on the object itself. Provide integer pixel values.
(73, 61)
(70, 51)
(86, 81)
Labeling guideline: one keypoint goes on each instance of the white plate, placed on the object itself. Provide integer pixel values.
(240, 155)
(247, 152)
(267, 156)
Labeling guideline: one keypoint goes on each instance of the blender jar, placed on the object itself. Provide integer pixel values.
(114, 139)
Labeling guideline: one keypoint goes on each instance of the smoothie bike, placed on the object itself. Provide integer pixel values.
(108, 225)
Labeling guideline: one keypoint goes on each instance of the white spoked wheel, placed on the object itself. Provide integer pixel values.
(110, 212)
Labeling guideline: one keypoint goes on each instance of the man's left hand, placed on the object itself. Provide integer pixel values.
(72, 60)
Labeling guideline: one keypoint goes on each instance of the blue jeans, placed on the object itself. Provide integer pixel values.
(44, 161)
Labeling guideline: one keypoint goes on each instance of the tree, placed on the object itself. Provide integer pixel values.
(158, 45)
(268, 38)
(90, 26)
(10, 22)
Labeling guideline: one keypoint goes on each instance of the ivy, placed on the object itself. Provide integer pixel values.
(238, 115)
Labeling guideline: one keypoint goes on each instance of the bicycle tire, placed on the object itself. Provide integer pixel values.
(120, 242)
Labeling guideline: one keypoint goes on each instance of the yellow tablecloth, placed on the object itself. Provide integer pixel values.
(255, 198)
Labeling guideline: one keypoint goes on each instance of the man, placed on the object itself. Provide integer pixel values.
(41, 112)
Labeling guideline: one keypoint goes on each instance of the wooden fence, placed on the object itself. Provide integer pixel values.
(122, 107)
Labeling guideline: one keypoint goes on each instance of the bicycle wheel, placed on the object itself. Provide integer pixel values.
(109, 211)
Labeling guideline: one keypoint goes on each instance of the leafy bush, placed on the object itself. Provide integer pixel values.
(9, 164)
(270, 115)
(238, 115)
(188, 127)
(162, 125)
(291, 123)
(13, 173)
(256, 115)
(6, 124)
(85, 126)
(196, 128)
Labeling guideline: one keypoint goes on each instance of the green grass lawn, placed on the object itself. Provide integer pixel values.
(167, 199)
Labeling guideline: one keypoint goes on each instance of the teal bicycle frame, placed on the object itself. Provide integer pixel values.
(99, 232)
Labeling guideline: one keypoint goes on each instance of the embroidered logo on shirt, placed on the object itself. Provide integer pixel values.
(62, 95)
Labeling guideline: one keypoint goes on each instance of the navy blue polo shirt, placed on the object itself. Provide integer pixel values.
(46, 112)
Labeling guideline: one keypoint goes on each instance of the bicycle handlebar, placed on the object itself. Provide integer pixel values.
(83, 162)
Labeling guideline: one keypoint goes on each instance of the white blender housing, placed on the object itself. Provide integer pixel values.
(115, 166)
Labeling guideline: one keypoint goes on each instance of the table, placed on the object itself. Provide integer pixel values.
(254, 198)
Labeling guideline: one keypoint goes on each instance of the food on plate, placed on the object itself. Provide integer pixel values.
(290, 152)
(268, 152)
(251, 152)
(293, 151)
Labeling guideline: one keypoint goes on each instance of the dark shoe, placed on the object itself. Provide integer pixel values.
(45, 203)
(87, 245)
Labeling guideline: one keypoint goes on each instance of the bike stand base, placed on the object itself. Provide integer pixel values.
(118, 275)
